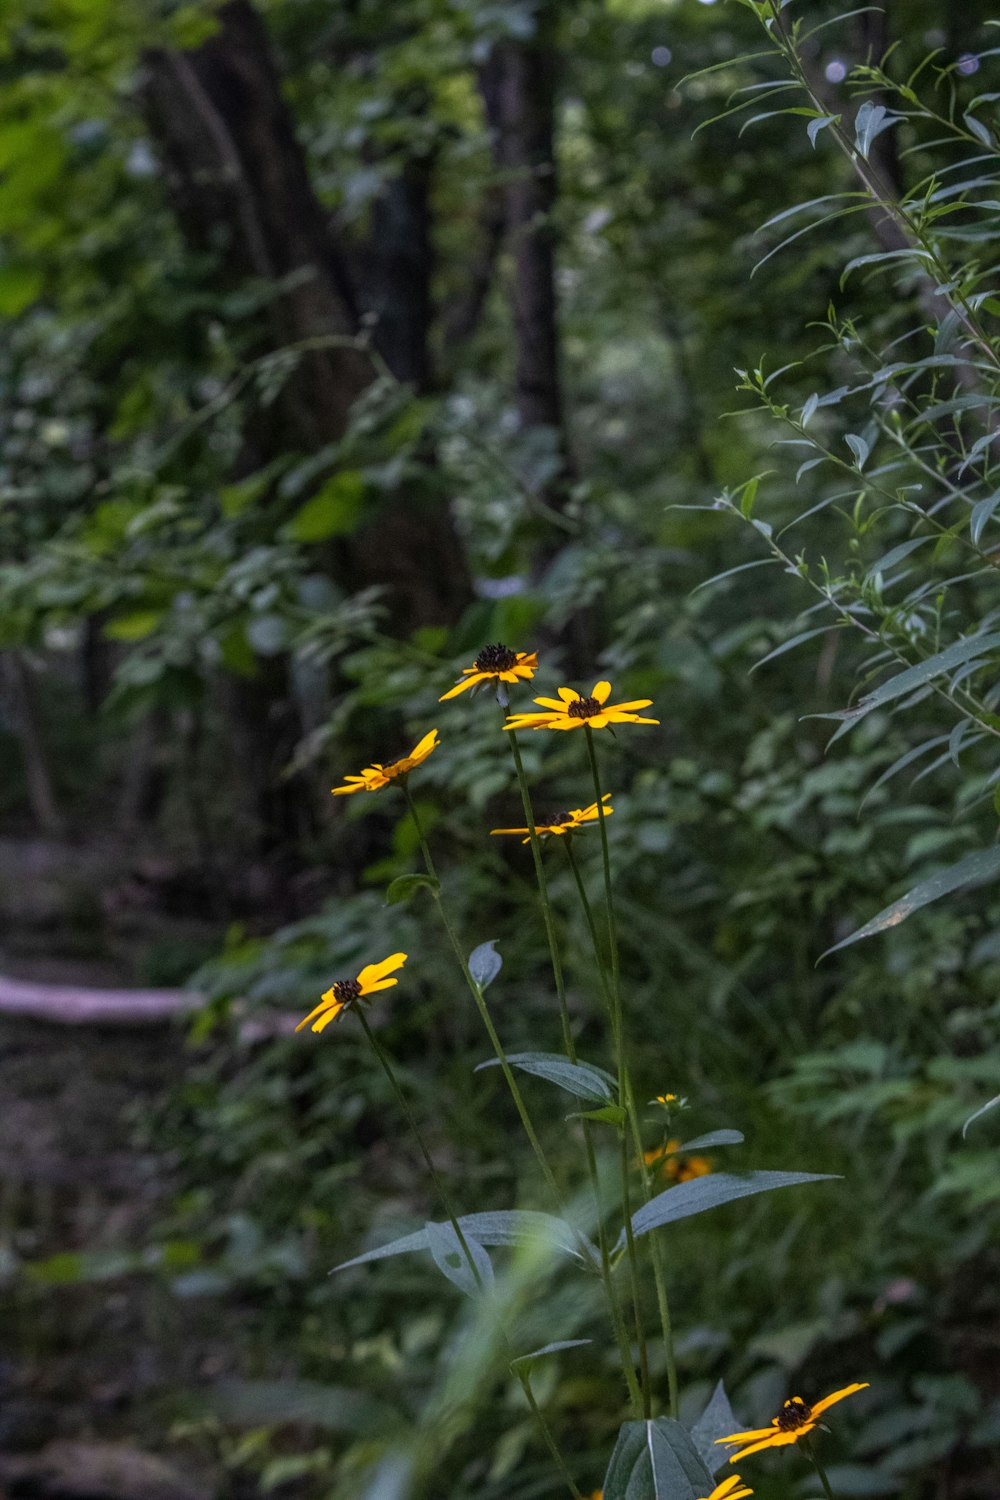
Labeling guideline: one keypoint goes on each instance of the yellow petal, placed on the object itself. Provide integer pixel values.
(554, 703)
(378, 971)
(332, 1014)
(467, 681)
(568, 695)
(751, 1435)
(631, 706)
(829, 1401)
(323, 1005)
(602, 692)
(347, 791)
(421, 751)
(380, 984)
(509, 830)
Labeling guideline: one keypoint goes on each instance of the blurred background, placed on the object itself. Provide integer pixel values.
(340, 338)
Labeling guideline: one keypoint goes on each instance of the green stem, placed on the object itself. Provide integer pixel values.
(618, 1036)
(543, 893)
(390, 1073)
(529, 1129)
(624, 1080)
(828, 1492)
(557, 974)
(401, 1099)
(546, 1432)
(481, 1005)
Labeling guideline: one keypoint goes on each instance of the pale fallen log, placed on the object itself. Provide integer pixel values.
(80, 1005)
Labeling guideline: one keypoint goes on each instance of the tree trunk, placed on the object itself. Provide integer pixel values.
(241, 189)
(517, 84)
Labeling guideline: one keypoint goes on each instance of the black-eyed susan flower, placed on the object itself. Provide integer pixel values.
(496, 663)
(562, 823)
(344, 994)
(677, 1168)
(732, 1488)
(373, 778)
(572, 711)
(795, 1420)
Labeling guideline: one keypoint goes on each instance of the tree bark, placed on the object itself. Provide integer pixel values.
(517, 85)
(241, 190)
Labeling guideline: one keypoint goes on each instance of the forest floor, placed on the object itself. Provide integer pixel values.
(97, 1355)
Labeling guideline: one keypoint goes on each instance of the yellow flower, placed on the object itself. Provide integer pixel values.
(678, 1170)
(344, 993)
(732, 1488)
(564, 822)
(374, 778)
(496, 663)
(795, 1420)
(571, 711)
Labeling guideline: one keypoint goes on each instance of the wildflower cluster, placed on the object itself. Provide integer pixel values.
(680, 1167)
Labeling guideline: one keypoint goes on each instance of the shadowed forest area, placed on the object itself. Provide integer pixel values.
(632, 368)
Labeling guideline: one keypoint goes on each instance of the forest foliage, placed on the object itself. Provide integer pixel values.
(657, 336)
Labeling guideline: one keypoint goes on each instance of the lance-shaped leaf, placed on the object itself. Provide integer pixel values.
(704, 1193)
(716, 1421)
(974, 869)
(452, 1261)
(656, 1461)
(518, 1226)
(585, 1080)
(527, 1360)
(712, 1138)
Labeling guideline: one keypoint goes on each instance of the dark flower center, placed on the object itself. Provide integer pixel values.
(793, 1415)
(346, 990)
(555, 820)
(496, 658)
(584, 708)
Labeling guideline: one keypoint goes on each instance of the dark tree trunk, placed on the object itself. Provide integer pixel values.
(517, 84)
(400, 265)
(241, 188)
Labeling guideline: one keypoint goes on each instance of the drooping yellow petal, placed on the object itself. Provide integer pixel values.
(777, 1439)
(828, 1401)
(469, 679)
(325, 1004)
(602, 692)
(732, 1488)
(331, 1015)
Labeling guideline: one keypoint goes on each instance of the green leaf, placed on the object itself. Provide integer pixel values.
(556, 1348)
(451, 1259)
(983, 1109)
(974, 869)
(816, 125)
(335, 510)
(704, 1193)
(906, 681)
(656, 1461)
(519, 1226)
(405, 886)
(982, 512)
(485, 963)
(713, 1138)
(609, 1114)
(858, 447)
(19, 287)
(585, 1080)
(716, 1421)
(135, 626)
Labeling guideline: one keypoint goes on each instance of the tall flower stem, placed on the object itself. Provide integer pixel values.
(827, 1491)
(546, 1431)
(386, 1065)
(569, 1044)
(401, 1099)
(519, 1104)
(480, 1004)
(543, 895)
(625, 1093)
